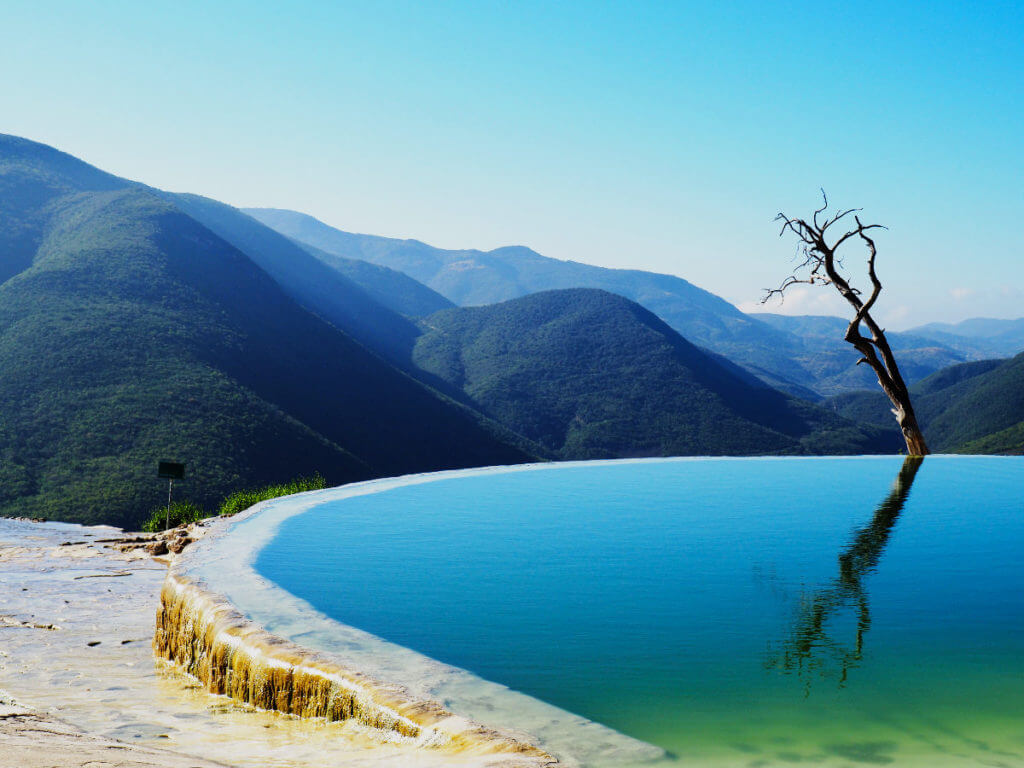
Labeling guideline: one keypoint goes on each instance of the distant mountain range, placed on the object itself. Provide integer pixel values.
(138, 325)
(994, 338)
(804, 356)
(816, 345)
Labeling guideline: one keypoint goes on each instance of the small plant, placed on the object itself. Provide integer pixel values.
(241, 500)
(181, 513)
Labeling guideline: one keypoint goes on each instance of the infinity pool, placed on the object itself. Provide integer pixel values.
(746, 612)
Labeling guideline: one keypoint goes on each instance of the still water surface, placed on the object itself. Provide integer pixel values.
(736, 612)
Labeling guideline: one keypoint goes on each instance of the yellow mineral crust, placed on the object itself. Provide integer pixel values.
(205, 636)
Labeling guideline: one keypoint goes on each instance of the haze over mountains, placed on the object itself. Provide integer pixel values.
(996, 338)
(803, 356)
(137, 325)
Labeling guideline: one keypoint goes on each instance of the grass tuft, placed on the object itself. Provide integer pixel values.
(182, 512)
(241, 500)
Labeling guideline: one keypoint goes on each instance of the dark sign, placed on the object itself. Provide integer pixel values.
(171, 470)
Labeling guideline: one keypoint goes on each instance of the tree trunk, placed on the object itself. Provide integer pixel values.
(820, 259)
(916, 446)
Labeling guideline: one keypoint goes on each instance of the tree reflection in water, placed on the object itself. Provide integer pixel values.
(809, 650)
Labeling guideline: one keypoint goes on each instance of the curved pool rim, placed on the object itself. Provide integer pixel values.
(228, 561)
(219, 572)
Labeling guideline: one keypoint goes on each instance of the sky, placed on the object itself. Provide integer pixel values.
(647, 135)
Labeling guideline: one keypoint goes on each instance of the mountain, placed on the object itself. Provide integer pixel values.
(981, 406)
(969, 408)
(472, 277)
(1006, 441)
(589, 374)
(32, 175)
(389, 287)
(138, 325)
(783, 354)
(930, 396)
(984, 336)
(131, 332)
(317, 286)
(975, 327)
(816, 343)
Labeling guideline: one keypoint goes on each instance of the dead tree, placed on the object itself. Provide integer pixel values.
(821, 267)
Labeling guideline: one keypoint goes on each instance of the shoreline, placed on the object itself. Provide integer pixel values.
(78, 636)
(78, 632)
(222, 564)
(203, 634)
(76, 655)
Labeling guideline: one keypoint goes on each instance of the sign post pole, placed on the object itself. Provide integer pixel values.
(171, 470)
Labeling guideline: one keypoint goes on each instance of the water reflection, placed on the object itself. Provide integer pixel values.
(810, 649)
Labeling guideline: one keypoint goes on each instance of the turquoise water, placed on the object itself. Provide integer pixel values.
(741, 612)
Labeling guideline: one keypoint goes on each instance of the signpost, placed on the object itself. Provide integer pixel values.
(171, 471)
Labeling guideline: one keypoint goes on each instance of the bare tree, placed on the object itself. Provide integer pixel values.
(821, 267)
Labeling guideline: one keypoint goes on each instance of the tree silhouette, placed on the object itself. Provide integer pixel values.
(821, 266)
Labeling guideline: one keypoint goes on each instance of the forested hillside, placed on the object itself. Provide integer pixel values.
(588, 374)
(129, 332)
(138, 325)
(971, 408)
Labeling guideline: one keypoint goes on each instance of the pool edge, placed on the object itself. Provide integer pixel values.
(205, 636)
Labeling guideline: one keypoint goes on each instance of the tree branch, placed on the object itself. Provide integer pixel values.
(820, 261)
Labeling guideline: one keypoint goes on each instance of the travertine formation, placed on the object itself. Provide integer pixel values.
(32, 739)
(209, 639)
(76, 631)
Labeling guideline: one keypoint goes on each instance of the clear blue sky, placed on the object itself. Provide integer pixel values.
(660, 136)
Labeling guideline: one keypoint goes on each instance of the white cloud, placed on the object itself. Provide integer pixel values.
(959, 294)
(802, 300)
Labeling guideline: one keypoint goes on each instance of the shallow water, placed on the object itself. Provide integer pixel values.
(745, 612)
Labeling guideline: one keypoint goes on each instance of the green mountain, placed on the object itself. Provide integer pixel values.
(798, 360)
(389, 287)
(984, 405)
(130, 332)
(472, 277)
(589, 374)
(1006, 441)
(317, 286)
(816, 343)
(31, 176)
(138, 325)
(975, 407)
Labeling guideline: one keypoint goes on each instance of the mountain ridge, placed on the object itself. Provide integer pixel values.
(134, 333)
(809, 366)
(963, 408)
(588, 374)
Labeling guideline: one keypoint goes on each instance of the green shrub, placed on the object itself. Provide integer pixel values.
(182, 512)
(241, 500)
